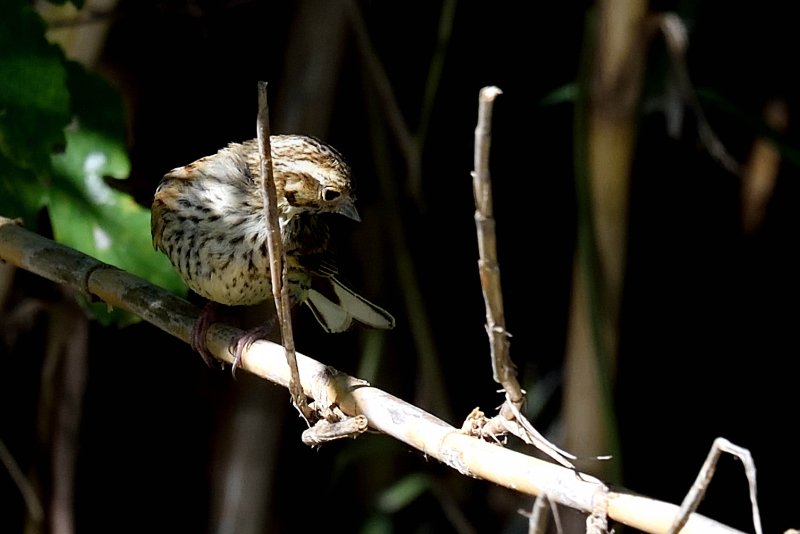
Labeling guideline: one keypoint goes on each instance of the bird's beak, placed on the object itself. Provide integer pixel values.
(348, 210)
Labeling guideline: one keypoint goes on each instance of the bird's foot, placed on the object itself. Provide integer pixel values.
(247, 339)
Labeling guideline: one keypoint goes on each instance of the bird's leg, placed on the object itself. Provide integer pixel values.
(210, 315)
(199, 343)
(250, 337)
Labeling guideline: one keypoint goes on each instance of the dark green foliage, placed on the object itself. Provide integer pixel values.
(62, 133)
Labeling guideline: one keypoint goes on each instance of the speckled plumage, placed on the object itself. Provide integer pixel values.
(208, 218)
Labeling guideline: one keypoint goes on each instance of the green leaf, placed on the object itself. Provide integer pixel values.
(89, 215)
(403, 493)
(34, 101)
(21, 194)
(377, 524)
(61, 134)
(561, 95)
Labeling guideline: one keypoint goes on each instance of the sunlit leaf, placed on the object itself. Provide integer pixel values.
(61, 135)
(86, 213)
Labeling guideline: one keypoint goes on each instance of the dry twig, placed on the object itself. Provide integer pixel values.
(677, 42)
(504, 372)
(503, 368)
(277, 258)
(539, 514)
(698, 489)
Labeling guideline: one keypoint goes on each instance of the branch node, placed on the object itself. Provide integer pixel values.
(324, 431)
(597, 521)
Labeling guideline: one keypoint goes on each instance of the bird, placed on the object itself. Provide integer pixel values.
(208, 218)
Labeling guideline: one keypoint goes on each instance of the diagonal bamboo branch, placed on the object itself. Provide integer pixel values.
(388, 414)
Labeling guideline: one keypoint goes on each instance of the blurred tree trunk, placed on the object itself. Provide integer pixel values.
(611, 81)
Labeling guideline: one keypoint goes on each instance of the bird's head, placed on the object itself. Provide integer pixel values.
(311, 176)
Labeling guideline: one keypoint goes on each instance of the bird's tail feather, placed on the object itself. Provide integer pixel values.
(336, 309)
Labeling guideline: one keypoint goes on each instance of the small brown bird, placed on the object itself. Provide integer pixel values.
(208, 218)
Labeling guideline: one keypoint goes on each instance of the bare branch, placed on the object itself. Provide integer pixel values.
(698, 489)
(539, 514)
(509, 419)
(677, 41)
(277, 258)
(503, 368)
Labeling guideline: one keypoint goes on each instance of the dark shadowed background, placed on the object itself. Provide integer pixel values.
(709, 313)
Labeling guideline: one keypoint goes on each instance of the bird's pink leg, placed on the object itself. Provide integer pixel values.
(248, 338)
(199, 343)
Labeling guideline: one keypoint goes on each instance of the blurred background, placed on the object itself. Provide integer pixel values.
(645, 178)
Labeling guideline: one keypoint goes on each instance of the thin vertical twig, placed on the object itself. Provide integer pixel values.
(510, 419)
(503, 368)
(539, 515)
(277, 259)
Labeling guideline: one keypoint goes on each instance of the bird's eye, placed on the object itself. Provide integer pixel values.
(329, 195)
